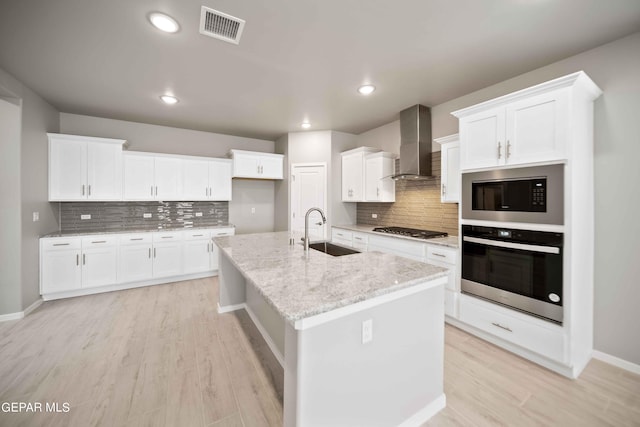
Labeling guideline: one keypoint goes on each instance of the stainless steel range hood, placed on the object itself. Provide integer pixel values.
(415, 143)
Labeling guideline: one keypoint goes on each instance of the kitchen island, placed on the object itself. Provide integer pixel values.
(360, 337)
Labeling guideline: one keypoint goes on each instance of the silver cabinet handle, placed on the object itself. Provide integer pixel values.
(149, 253)
(89, 188)
(222, 234)
(138, 238)
(501, 327)
(83, 189)
(156, 190)
(197, 235)
(99, 241)
(152, 190)
(357, 238)
(154, 252)
(166, 237)
(444, 189)
(508, 149)
(60, 244)
(440, 255)
(499, 150)
(77, 259)
(377, 192)
(84, 259)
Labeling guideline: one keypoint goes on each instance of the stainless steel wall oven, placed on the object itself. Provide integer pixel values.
(521, 269)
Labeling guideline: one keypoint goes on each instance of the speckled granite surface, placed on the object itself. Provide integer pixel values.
(300, 286)
(449, 241)
(91, 232)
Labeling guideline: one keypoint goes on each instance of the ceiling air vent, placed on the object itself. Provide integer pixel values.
(220, 25)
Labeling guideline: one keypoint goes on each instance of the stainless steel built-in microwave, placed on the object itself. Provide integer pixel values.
(530, 194)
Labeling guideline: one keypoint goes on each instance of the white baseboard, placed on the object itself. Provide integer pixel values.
(616, 361)
(230, 308)
(21, 314)
(423, 415)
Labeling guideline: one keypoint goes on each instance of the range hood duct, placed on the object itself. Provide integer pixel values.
(415, 143)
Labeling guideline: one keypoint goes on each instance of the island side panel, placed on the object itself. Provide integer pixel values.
(270, 324)
(395, 379)
(232, 285)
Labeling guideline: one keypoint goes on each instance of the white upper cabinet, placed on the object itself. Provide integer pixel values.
(529, 126)
(84, 168)
(353, 173)
(152, 177)
(257, 165)
(207, 179)
(378, 184)
(450, 175)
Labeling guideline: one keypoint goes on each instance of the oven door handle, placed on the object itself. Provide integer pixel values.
(511, 245)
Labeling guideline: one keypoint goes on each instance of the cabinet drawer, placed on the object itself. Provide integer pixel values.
(528, 333)
(360, 241)
(134, 239)
(99, 240)
(442, 254)
(61, 243)
(219, 232)
(197, 235)
(165, 236)
(400, 247)
(343, 235)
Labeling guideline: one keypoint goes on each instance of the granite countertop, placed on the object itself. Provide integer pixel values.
(299, 286)
(450, 241)
(145, 230)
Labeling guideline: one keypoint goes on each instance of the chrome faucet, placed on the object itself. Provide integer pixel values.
(306, 226)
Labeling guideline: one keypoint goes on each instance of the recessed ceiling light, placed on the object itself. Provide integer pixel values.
(164, 22)
(169, 99)
(306, 125)
(366, 89)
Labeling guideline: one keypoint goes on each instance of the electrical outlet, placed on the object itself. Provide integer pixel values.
(85, 216)
(198, 213)
(253, 210)
(146, 215)
(374, 215)
(367, 331)
(36, 216)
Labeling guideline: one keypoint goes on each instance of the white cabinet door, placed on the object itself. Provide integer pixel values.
(271, 167)
(246, 165)
(379, 187)
(104, 171)
(482, 137)
(67, 169)
(197, 254)
(450, 157)
(537, 128)
(195, 180)
(135, 263)
(352, 177)
(139, 177)
(220, 179)
(99, 265)
(61, 270)
(167, 258)
(168, 178)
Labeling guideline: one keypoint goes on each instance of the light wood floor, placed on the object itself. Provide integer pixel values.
(161, 356)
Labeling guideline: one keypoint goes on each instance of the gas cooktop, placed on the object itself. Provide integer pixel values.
(411, 232)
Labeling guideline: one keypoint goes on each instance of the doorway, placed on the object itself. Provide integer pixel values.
(308, 190)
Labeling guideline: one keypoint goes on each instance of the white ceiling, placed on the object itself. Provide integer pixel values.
(297, 59)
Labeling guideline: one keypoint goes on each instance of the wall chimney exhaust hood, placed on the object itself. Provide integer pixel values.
(415, 143)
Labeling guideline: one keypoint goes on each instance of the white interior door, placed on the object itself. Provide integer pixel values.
(308, 190)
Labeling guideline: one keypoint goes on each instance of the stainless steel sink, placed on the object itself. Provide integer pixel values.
(331, 249)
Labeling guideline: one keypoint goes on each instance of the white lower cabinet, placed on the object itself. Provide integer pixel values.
(74, 265)
(99, 261)
(525, 331)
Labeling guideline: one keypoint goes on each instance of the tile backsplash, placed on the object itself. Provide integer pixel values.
(417, 205)
(124, 216)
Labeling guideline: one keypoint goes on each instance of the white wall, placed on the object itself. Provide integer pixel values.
(247, 194)
(386, 137)
(24, 122)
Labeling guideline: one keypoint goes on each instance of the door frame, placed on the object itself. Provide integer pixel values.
(326, 188)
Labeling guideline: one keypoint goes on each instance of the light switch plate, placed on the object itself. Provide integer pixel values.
(198, 213)
(253, 210)
(85, 216)
(36, 216)
(146, 215)
(374, 215)
(367, 331)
